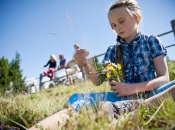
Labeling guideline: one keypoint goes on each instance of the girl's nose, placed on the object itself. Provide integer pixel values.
(116, 29)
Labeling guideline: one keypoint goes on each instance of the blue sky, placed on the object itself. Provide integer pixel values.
(25, 26)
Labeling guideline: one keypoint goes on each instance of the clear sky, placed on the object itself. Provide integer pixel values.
(26, 26)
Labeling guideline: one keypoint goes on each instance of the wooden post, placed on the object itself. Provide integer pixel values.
(11, 89)
(40, 80)
(173, 26)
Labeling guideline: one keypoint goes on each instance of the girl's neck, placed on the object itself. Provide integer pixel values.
(131, 36)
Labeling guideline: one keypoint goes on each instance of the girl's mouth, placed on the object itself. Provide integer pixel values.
(121, 33)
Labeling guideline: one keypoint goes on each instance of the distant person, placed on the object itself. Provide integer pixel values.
(68, 70)
(52, 65)
(52, 85)
(63, 62)
(24, 92)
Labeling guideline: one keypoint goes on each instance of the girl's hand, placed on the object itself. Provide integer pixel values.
(121, 89)
(80, 57)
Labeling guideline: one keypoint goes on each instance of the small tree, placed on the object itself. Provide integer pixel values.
(4, 69)
(15, 73)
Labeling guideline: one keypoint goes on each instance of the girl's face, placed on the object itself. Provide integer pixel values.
(51, 57)
(123, 23)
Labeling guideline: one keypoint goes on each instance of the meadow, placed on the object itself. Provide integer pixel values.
(25, 111)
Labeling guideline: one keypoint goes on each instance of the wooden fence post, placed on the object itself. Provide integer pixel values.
(173, 26)
(40, 80)
(11, 89)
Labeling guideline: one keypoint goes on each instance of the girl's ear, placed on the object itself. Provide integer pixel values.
(137, 18)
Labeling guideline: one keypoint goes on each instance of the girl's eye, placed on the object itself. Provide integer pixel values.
(121, 21)
(113, 26)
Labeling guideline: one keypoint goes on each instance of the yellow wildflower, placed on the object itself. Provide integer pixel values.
(107, 75)
(119, 66)
(110, 71)
(112, 68)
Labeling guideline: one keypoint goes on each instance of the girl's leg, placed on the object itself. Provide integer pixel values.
(156, 99)
(51, 72)
(116, 108)
(67, 75)
(51, 122)
(46, 72)
(68, 72)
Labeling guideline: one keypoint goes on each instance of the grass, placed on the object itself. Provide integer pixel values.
(28, 110)
(144, 117)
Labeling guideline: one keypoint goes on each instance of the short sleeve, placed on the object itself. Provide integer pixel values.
(156, 47)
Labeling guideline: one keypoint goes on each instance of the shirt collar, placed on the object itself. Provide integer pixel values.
(134, 40)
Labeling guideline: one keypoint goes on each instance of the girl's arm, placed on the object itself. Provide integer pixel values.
(161, 68)
(91, 72)
(47, 63)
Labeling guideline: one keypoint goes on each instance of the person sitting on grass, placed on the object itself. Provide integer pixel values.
(142, 57)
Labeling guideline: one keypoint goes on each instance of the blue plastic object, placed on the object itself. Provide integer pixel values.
(83, 99)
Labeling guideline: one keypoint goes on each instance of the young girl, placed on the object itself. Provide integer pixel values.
(52, 65)
(144, 65)
(142, 56)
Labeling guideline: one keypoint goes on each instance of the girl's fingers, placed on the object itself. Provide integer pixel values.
(118, 95)
(113, 87)
(80, 56)
(112, 81)
(112, 84)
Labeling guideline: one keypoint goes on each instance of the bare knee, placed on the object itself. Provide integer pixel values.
(67, 72)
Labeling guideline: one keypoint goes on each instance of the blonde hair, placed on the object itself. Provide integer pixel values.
(134, 10)
(54, 57)
(131, 7)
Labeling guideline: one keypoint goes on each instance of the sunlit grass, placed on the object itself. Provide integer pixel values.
(28, 110)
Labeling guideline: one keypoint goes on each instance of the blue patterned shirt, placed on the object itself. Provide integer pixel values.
(138, 57)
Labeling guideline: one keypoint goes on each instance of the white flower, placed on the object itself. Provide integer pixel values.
(114, 65)
(107, 62)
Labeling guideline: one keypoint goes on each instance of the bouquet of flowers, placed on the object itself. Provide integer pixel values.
(106, 72)
(110, 71)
